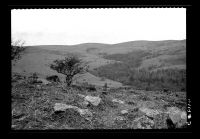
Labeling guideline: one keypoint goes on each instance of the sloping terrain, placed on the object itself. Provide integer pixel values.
(54, 106)
(151, 55)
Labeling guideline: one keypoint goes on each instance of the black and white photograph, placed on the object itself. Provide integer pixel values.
(98, 69)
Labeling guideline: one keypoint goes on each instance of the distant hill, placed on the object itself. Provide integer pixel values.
(151, 55)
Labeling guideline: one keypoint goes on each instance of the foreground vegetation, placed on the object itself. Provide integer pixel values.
(33, 107)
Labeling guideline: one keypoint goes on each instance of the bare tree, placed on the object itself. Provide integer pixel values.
(70, 66)
(16, 49)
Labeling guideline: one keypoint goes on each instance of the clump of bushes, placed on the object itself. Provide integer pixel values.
(33, 78)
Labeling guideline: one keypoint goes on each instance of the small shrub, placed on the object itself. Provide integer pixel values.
(105, 87)
(33, 78)
(53, 78)
(143, 97)
(88, 86)
(91, 88)
(131, 103)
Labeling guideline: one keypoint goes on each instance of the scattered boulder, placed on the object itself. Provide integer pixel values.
(124, 111)
(63, 107)
(93, 100)
(118, 101)
(177, 116)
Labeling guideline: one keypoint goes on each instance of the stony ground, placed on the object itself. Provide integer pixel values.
(33, 107)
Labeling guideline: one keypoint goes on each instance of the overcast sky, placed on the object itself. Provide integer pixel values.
(75, 26)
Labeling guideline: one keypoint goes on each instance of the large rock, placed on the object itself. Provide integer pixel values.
(93, 100)
(177, 116)
(83, 112)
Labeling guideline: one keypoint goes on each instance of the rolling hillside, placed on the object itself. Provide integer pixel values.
(150, 55)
